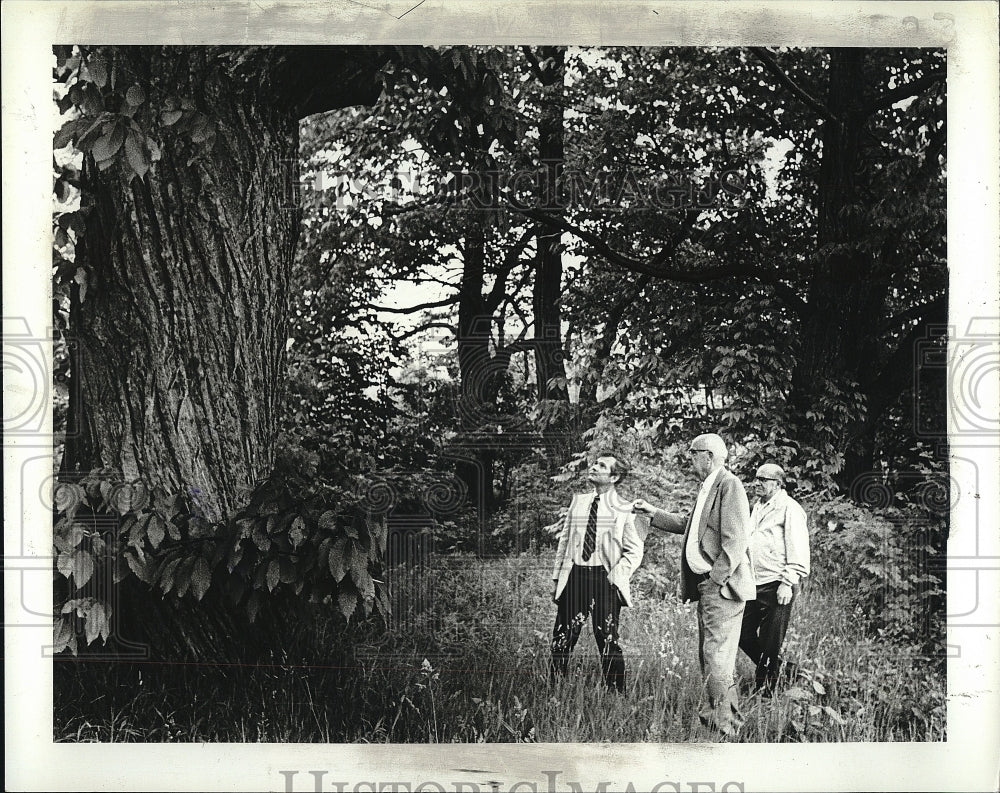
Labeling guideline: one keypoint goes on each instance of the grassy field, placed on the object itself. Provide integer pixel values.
(466, 660)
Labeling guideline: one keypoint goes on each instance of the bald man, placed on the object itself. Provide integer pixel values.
(716, 571)
(779, 549)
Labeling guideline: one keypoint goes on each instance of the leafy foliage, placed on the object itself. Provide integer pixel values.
(318, 546)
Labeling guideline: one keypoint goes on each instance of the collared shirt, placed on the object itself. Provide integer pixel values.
(697, 561)
(605, 528)
(779, 540)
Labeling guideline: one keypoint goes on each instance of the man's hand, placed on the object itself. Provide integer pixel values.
(784, 594)
(643, 507)
(555, 587)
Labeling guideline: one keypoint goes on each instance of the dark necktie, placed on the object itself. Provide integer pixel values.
(590, 541)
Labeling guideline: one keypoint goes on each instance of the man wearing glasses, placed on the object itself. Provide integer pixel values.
(716, 571)
(779, 549)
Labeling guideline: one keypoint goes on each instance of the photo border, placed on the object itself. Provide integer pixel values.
(966, 761)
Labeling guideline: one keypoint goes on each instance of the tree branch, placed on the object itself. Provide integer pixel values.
(499, 290)
(421, 328)
(917, 312)
(906, 90)
(772, 66)
(348, 76)
(449, 301)
(536, 67)
(653, 266)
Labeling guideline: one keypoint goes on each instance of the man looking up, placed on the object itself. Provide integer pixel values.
(715, 571)
(599, 549)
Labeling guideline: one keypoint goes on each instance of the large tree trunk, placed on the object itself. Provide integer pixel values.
(479, 372)
(840, 336)
(549, 356)
(180, 337)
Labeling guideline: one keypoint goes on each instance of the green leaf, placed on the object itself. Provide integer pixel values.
(120, 569)
(338, 562)
(98, 69)
(64, 563)
(347, 600)
(62, 634)
(273, 574)
(253, 605)
(155, 530)
(298, 531)
(166, 577)
(83, 567)
(136, 155)
(173, 529)
(327, 521)
(135, 96)
(834, 715)
(361, 577)
(66, 133)
(201, 578)
(260, 538)
(123, 498)
(94, 622)
(107, 146)
(170, 117)
(183, 576)
(137, 566)
(235, 555)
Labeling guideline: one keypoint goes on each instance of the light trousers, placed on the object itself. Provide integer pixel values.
(719, 623)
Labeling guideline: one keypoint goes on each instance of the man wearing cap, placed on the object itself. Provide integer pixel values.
(779, 549)
(716, 571)
(599, 549)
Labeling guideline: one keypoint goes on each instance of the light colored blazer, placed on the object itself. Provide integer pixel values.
(724, 538)
(619, 550)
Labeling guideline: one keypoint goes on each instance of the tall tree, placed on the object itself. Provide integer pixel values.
(190, 158)
(794, 298)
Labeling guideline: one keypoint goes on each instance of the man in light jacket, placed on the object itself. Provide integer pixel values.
(779, 549)
(715, 571)
(599, 549)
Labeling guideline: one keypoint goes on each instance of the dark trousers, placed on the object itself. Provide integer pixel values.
(588, 592)
(763, 632)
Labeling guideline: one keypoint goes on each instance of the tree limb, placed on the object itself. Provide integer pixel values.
(772, 66)
(536, 67)
(448, 301)
(653, 266)
(421, 328)
(345, 76)
(917, 312)
(497, 293)
(906, 90)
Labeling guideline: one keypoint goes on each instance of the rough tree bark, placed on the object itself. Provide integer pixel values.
(549, 354)
(480, 377)
(180, 340)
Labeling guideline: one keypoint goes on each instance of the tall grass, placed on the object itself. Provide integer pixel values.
(466, 659)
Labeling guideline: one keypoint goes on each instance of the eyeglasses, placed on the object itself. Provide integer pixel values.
(696, 451)
(767, 479)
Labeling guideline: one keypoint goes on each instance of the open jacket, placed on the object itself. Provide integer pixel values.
(620, 551)
(724, 538)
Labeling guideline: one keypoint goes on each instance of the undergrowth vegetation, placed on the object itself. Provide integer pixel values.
(465, 659)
